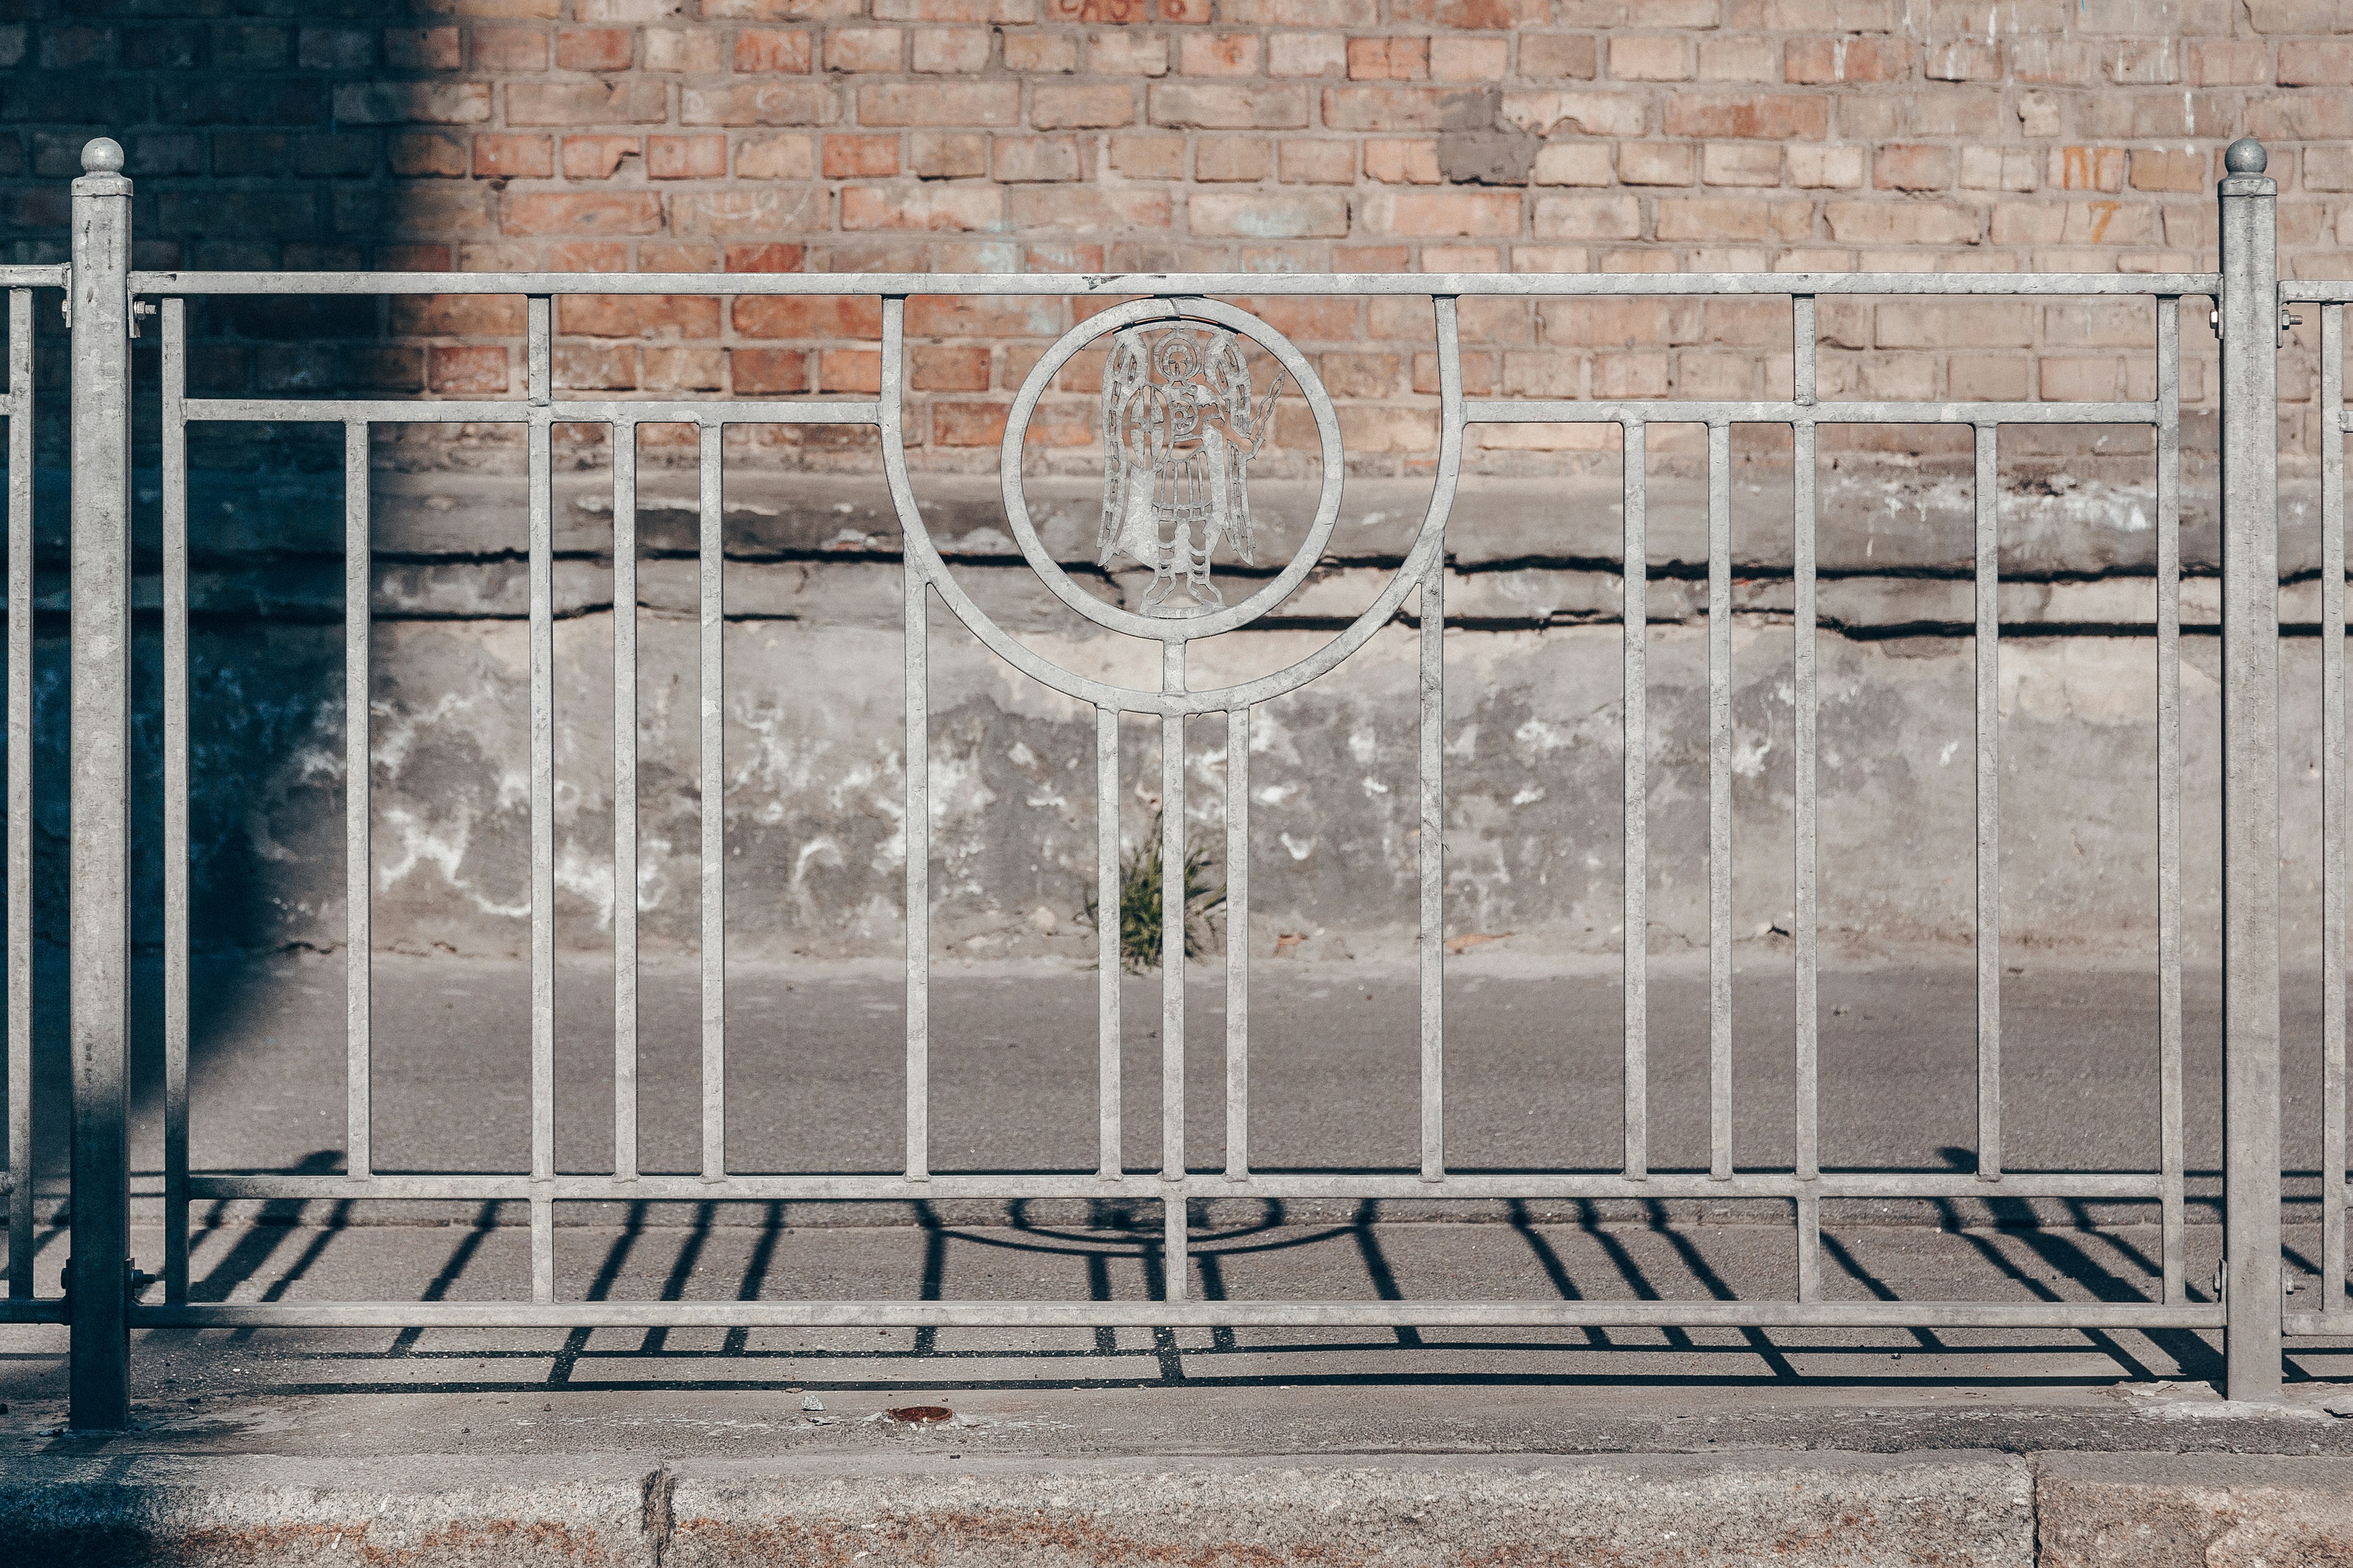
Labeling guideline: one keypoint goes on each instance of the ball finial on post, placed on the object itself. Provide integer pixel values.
(2245, 157)
(101, 155)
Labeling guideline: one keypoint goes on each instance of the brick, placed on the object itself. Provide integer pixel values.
(353, 48)
(1572, 163)
(514, 157)
(950, 155)
(1846, 59)
(969, 424)
(1987, 378)
(1148, 157)
(1388, 59)
(628, 10)
(655, 256)
(849, 369)
(1962, 59)
(596, 157)
(1290, 216)
(1037, 158)
(1042, 52)
(936, 367)
(864, 48)
(2087, 168)
(1997, 169)
(1387, 108)
(235, 48)
(499, 49)
(2069, 378)
(1331, 162)
(942, 51)
(1587, 218)
(1226, 159)
(1306, 54)
(2144, 62)
(1912, 168)
(1902, 223)
(588, 367)
(955, 10)
(1358, 375)
(1733, 59)
(1220, 54)
(763, 259)
(1089, 207)
(946, 316)
(595, 48)
(686, 157)
(1649, 59)
(587, 103)
(760, 210)
(1825, 168)
(1775, 117)
(682, 49)
(2328, 168)
(1119, 13)
(181, 153)
(600, 213)
(1469, 213)
(2228, 62)
(990, 104)
(434, 153)
(1493, 16)
(414, 103)
(1063, 257)
(767, 372)
(930, 206)
(1595, 114)
(860, 157)
(457, 315)
(1656, 164)
(785, 158)
(1402, 160)
(1226, 106)
(1351, 13)
(808, 316)
(682, 370)
(773, 51)
(2155, 170)
(1127, 54)
(654, 316)
(2055, 62)
(1468, 59)
(466, 372)
(759, 103)
(1740, 164)
(1716, 219)
(1941, 323)
(2313, 62)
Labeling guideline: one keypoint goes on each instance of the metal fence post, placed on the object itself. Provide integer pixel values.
(99, 905)
(2249, 323)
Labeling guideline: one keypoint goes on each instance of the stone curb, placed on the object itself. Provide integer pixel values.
(1957, 1510)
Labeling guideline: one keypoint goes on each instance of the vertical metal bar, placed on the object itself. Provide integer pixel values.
(1238, 734)
(919, 870)
(2332, 807)
(2250, 895)
(625, 800)
(1433, 869)
(1989, 794)
(174, 440)
(99, 903)
(1108, 957)
(1719, 800)
(2171, 1210)
(1635, 961)
(714, 816)
(1802, 871)
(20, 792)
(542, 541)
(1172, 965)
(358, 785)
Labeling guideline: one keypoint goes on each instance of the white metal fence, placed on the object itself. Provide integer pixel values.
(1182, 422)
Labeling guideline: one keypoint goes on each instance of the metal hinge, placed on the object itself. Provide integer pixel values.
(134, 1280)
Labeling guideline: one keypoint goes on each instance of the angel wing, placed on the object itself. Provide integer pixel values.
(1128, 457)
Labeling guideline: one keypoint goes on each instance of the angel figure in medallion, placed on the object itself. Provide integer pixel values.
(1179, 432)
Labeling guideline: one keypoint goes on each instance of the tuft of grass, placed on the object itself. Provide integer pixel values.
(1139, 902)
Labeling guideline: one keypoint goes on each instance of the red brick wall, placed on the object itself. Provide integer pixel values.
(1249, 135)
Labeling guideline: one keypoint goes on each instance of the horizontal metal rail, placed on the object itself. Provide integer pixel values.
(1029, 1186)
(605, 411)
(771, 1313)
(1411, 285)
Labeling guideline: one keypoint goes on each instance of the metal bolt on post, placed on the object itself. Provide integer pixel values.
(98, 902)
(2251, 836)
